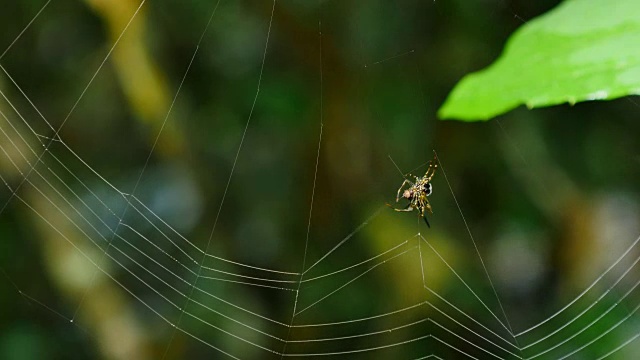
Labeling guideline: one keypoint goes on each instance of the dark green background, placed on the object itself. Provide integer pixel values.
(386, 67)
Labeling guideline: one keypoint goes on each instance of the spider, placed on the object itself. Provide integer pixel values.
(417, 192)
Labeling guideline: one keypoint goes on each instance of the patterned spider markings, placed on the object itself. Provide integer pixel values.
(418, 191)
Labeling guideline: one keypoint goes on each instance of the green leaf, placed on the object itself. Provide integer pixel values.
(581, 50)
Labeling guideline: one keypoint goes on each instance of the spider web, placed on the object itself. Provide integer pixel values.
(210, 290)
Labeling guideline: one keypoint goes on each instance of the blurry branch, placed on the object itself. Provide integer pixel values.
(142, 82)
(559, 199)
(103, 307)
(546, 184)
(347, 141)
(15, 156)
(304, 39)
(98, 303)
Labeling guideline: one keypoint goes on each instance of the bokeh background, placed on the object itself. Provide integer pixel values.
(549, 195)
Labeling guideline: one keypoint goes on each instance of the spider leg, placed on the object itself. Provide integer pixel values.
(408, 208)
(431, 171)
(427, 205)
(423, 204)
(405, 182)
